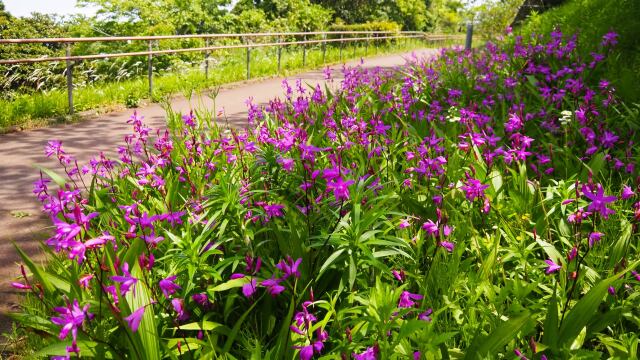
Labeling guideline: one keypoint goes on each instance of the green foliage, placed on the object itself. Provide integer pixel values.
(590, 19)
(447, 16)
(445, 209)
(410, 14)
(368, 26)
(493, 17)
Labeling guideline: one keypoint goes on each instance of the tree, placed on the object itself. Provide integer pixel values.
(411, 14)
(163, 16)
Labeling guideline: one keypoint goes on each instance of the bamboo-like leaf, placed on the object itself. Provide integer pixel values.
(147, 333)
(234, 283)
(38, 272)
(550, 336)
(59, 180)
(494, 342)
(586, 308)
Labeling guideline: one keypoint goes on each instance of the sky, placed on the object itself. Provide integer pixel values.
(60, 7)
(66, 7)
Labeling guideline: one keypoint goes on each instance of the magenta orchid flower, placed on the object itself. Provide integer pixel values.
(168, 286)
(126, 280)
(552, 267)
(135, 318)
(340, 188)
(599, 201)
(407, 299)
(289, 267)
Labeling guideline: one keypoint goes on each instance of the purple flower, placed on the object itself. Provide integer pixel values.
(168, 286)
(178, 306)
(430, 227)
(134, 319)
(595, 237)
(20, 286)
(404, 223)
(273, 210)
(126, 280)
(273, 286)
(71, 317)
(54, 147)
(627, 192)
(202, 299)
(447, 245)
(473, 189)
(289, 267)
(609, 39)
(306, 352)
(599, 201)
(399, 275)
(370, 354)
(287, 164)
(609, 139)
(340, 188)
(552, 266)
(407, 299)
(249, 288)
(424, 316)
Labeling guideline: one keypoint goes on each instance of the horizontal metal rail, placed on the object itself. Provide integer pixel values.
(219, 47)
(194, 36)
(248, 42)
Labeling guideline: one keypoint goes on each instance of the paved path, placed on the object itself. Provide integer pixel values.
(20, 217)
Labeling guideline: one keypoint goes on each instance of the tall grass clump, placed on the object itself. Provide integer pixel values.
(482, 204)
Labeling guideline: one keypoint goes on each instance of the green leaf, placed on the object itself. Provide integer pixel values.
(236, 329)
(330, 261)
(204, 325)
(147, 333)
(550, 336)
(87, 349)
(38, 272)
(586, 308)
(59, 180)
(579, 340)
(234, 283)
(352, 271)
(494, 342)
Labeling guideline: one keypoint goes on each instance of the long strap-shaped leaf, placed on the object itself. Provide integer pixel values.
(587, 307)
(494, 342)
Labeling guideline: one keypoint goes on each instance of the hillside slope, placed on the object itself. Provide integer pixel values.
(590, 19)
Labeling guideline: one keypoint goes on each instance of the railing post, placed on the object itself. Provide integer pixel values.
(467, 43)
(279, 53)
(150, 69)
(341, 44)
(69, 79)
(248, 59)
(206, 59)
(304, 51)
(324, 48)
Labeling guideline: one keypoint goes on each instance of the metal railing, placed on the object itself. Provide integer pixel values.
(247, 41)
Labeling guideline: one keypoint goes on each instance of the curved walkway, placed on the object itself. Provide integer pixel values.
(20, 218)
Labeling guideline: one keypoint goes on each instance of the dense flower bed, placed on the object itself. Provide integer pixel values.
(479, 204)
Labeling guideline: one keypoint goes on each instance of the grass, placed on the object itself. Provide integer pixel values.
(43, 108)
